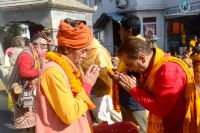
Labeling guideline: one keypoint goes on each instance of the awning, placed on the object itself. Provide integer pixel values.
(105, 18)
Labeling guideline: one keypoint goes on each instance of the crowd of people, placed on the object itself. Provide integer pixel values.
(74, 88)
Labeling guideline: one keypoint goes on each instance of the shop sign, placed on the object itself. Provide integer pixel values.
(184, 6)
(194, 7)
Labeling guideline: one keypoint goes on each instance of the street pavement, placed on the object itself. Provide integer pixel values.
(6, 116)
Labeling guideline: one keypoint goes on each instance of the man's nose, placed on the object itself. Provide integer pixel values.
(84, 55)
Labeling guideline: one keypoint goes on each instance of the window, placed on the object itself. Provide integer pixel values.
(121, 2)
(149, 19)
(87, 2)
(97, 2)
(149, 26)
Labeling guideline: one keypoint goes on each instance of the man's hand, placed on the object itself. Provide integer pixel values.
(127, 82)
(91, 75)
(113, 74)
(116, 76)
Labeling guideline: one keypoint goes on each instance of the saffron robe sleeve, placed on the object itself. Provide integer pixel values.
(68, 107)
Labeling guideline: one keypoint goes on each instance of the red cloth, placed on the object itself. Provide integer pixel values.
(25, 66)
(88, 88)
(118, 127)
(168, 102)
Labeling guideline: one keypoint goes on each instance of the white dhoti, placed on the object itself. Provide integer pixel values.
(103, 109)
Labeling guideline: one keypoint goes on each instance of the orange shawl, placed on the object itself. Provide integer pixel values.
(192, 117)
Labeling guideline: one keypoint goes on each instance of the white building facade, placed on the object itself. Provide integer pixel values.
(154, 14)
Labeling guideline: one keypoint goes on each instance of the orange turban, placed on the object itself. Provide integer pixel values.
(74, 37)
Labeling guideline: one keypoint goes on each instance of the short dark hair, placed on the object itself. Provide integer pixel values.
(131, 22)
(132, 46)
(70, 22)
(35, 37)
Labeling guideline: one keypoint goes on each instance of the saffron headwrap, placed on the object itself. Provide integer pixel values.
(74, 37)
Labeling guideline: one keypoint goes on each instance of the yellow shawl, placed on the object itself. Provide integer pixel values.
(115, 94)
(192, 117)
(196, 67)
(99, 55)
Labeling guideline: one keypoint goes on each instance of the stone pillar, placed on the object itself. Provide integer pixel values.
(1, 46)
(88, 19)
(54, 34)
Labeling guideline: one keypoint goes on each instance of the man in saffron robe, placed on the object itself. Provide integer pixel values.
(166, 88)
(62, 98)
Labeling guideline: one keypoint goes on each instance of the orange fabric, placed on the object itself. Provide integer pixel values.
(115, 97)
(74, 37)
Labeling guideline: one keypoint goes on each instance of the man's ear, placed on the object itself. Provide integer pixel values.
(67, 50)
(130, 32)
(141, 57)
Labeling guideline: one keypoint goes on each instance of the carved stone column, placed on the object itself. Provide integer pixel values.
(1, 46)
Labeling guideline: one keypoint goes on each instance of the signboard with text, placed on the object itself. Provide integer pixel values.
(183, 9)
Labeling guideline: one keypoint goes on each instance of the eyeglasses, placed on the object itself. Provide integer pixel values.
(43, 44)
(84, 50)
(34, 43)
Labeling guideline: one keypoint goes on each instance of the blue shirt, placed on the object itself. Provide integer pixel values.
(126, 100)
